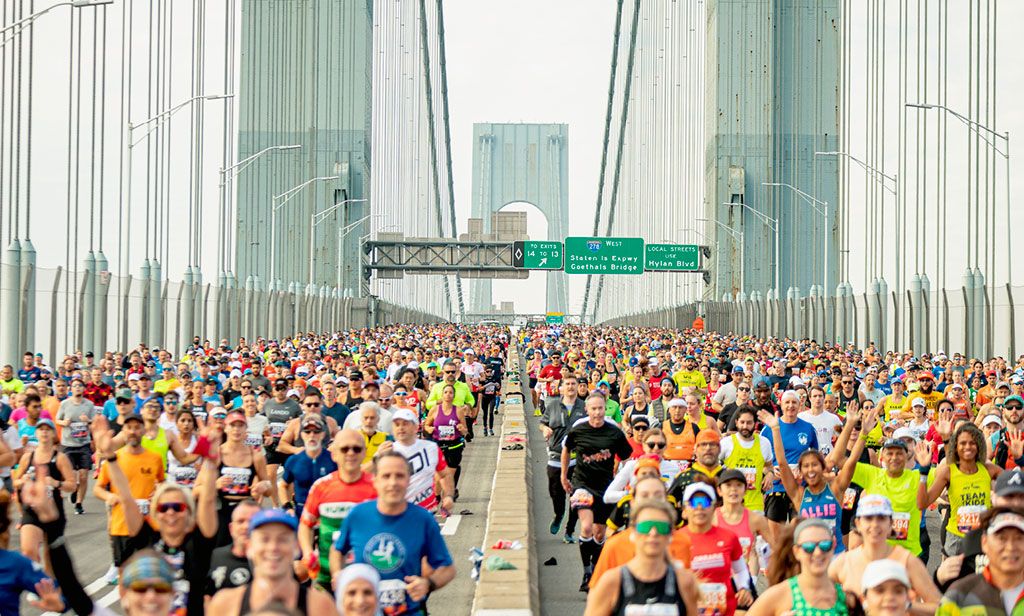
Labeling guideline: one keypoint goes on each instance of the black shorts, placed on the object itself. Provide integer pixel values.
(778, 507)
(453, 454)
(276, 457)
(600, 508)
(533, 382)
(80, 456)
(124, 546)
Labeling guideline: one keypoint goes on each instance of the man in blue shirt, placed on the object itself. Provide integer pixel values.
(393, 536)
(29, 372)
(303, 468)
(797, 437)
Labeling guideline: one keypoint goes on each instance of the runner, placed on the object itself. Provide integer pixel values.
(279, 411)
(59, 477)
(243, 474)
(558, 417)
(74, 415)
(595, 444)
(752, 455)
(429, 467)
(229, 567)
(735, 516)
(302, 469)
(798, 436)
(998, 588)
(446, 423)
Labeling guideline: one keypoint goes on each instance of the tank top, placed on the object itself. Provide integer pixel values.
(242, 476)
(446, 427)
(53, 471)
(969, 497)
(679, 446)
(892, 406)
(244, 608)
(750, 462)
(199, 411)
(824, 506)
(157, 445)
(183, 474)
(802, 608)
(853, 564)
(742, 529)
(658, 598)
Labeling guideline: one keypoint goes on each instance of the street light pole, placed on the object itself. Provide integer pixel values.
(981, 129)
(773, 225)
(707, 239)
(230, 173)
(737, 237)
(286, 196)
(814, 203)
(322, 216)
(24, 22)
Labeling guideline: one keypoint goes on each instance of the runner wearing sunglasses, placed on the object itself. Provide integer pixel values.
(716, 556)
(651, 578)
(810, 592)
(653, 443)
(302, 469)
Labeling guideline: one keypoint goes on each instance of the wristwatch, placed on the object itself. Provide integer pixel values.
(431, 584)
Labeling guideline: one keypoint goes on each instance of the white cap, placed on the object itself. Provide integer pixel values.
(405, 415)
(134, 376)
(699, 487)
(904, 432)
(676, 402)
(918, 402)
(956, 386)
(293, 392)
(992, 419)
(880, 571)
(796, 381)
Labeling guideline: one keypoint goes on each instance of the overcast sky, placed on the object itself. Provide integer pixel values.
(529, 61)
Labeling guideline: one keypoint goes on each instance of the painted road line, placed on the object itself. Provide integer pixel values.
(451, 525)
(108, 598)
(96, 584)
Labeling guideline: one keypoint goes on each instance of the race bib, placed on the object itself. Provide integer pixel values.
(277, 429)
(240, 479)
(712, 599)
(185, 475)
(652, 609)
(751, 475)
(900, 526)
(581, 499)
(423, 496)
(391, 596)
(745, 544)
(200, 414)
(143, 504)
(969, 517)
(78, 429)
(795, 469)
(446, 433)
(254, 442)
(849, 497)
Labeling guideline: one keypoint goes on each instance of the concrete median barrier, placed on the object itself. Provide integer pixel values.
(512, 592)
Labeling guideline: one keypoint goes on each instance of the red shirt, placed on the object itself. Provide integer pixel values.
(553, 372)
(98, 393)
(711, 556)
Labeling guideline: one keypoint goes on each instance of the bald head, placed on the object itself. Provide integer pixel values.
(348, 451)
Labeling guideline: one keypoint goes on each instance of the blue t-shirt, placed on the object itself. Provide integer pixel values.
(395, 545)
(301, 471)
(29, 376)
(797, 438)
(140, 402)
(110, 409)
(19, 575)
(339, 412)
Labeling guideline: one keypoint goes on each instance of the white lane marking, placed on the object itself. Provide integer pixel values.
(451, 525)
(108, 598)
(96, 585)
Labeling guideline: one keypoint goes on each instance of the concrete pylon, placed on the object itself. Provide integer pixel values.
(88, 303)
(247, 308)
(144, 290)
(187, 314)
(916, 312)
(840, 318)
(883, 314)
(967, 282)
(980, 316)
(156, 304)
(926, 290)
(231, 312)
(99, 329)
(29, 275)
(873, 319)
(11, 325)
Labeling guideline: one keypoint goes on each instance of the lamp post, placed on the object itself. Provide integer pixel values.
(773, 225)
(699, 234)
(982, 130)
(737, 237)
(230, 173)
(24, 22)
(317, 218)
(823, 212)
(285, 197)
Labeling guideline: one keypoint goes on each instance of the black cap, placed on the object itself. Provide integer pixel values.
(1010, 482)
(89, 354)
(280, 384)
(731, 474)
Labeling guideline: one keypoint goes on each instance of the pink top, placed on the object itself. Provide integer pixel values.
(19, 414)
(742, 530)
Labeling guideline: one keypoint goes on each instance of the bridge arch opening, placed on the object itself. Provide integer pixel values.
(528, 295)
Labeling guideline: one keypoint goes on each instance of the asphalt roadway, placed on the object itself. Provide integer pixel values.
(90, 548)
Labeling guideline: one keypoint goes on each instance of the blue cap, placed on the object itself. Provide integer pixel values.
(43, 421)
(273, 516)
(736, 369)
(689, 357)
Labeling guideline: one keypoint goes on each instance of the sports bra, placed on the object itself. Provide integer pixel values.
(244, 608)
(658, 598)
(802, 608)
(242, 476)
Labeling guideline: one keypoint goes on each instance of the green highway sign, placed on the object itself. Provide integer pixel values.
(671, 257)
(604, 255)
(537, 255)
(553, 317)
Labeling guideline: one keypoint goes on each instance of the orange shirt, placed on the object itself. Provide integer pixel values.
(679, 446)
(619, 550)
(144, 471)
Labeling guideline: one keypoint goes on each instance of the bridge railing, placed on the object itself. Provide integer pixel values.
(944, 319)
(60, 312)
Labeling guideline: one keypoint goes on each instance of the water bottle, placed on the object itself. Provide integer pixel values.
(764, 550)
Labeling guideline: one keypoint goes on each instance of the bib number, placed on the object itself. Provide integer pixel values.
(849, 496)
(277, 429)
(240, 479)
(143, 504)
(581, 499)
(254, 442)
(969, 517)
(391, 596)
(751, 475)
(652, 609)
(712, 599)
(185, 475)
(78, 429)
(900, 526)
(446, 433)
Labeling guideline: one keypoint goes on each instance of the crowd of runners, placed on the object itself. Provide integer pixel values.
(296, 476)
(717, 474)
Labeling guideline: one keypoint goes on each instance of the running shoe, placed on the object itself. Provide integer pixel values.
(585, 584)
(555, 524)
(111, 576)
(568, 538)
(78, 509)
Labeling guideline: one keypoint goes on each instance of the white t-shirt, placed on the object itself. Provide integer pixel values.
(1010, 596)
(13, 441)
(766, 447)
(426, 459)
(825, 426)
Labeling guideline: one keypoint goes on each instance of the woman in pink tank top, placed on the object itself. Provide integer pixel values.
(732, 486)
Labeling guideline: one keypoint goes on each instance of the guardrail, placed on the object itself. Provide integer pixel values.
(510, 592)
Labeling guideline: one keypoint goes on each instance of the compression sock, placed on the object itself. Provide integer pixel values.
(586, 545)
(596, 551)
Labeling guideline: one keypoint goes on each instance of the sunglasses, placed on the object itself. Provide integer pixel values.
(1015, 407)
(656, 445)
(161, 588)
(661, 528)
(742, 389)
(219, 416)
(847, 382)
(824, 546)
(176, 507)
(401, 394)
(350, 449)
(449, 372)
(313, 405)
(700, 501)
(312, 431)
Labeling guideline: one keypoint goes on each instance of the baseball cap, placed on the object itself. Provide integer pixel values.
(43, 421)
(956, 386)
(136, 416)
(874, 504)
(236, 416)
(926, 376)
(638, 420)
(790, 394)
(880, 571)
(272, 516)
(904, 432)
(894, 442)
(313, 421)
(146, 567)
(649, 461)
(699, 487)
(1005, 520)
(991, 419)
(134, 376)
(1015, 398)
(918, 402)
(1010, 482)
(405, 415)
(731, 474)
(737, 369)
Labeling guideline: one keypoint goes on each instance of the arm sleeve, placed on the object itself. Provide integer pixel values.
(74, 595)
(619, 486)
(740, 574)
